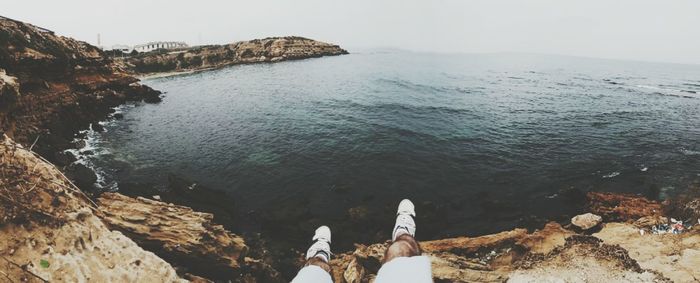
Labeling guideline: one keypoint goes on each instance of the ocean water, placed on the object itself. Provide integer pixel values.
(481, 143)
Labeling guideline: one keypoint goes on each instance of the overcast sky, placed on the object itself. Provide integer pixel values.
(667, 31)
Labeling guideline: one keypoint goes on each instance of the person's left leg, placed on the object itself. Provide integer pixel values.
(317, 268)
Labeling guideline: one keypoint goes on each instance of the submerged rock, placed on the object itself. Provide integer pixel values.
(64, 158)
(83, 176)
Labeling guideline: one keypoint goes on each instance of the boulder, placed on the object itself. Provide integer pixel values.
(63, 158)
(586, 221)
(648, 221)
(82, 175)
(358, 213)
(9, 89)
(177, 233)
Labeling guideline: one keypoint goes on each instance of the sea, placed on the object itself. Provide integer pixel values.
(480, 143)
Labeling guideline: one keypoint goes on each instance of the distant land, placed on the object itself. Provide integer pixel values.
(273, 49)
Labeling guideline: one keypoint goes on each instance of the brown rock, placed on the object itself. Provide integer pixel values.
(453, 260)
(586, 221)
(545, 240)
(470, 245)
(648, 221)
(622, 207)
(675, 256)
(177, 233)
(354, 272)
(46, 219)
(9, 89)
(58, 97)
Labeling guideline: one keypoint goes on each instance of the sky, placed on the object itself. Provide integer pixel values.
(644, 30)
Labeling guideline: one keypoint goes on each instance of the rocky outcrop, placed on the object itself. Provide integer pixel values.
(583, 259)
(9, 89)
(676, 257)
(50, 231)
(52, 86)
(272, 49)
(617, 252)
(622, 207)
(176, 233)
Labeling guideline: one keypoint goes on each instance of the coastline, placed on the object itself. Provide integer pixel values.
(515, 254)
(169, 74)
(162, 62)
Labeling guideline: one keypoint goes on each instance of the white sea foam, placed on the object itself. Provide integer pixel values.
(667, 91)
(686, 151)
(611, 175)
(92, 144)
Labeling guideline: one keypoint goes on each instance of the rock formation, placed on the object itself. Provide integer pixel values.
(586, 221)
(622, 207)
(618, 253)
(50, 231)
(52, 86)
(176, 233)
(272, 49)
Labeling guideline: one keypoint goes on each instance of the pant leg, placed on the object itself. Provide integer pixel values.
(312, 274)
(415, 269)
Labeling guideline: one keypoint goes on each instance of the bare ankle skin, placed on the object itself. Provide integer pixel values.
(404, 246)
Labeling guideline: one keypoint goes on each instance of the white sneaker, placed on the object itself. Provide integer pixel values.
(322, 245)
(404, 220)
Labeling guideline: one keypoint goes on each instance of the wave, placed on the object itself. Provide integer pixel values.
(612, 175)
(668, 91)
(686, 151)
(425, 88)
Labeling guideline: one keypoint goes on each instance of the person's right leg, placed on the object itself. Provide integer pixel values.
(403, 245)
(403, 261)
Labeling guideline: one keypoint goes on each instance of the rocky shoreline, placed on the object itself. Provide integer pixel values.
(52, 87)
(185, 60)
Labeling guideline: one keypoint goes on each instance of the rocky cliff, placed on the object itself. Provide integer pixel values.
(272, 49)
(50, 231)
(52, 86)
(614, 251)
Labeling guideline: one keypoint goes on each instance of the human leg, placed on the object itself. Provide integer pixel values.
(403, 260)
(318, 255)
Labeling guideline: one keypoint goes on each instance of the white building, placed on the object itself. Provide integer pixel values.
(159, 45)
(122, 48)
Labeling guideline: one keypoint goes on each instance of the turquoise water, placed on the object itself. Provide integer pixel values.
(481, 142)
